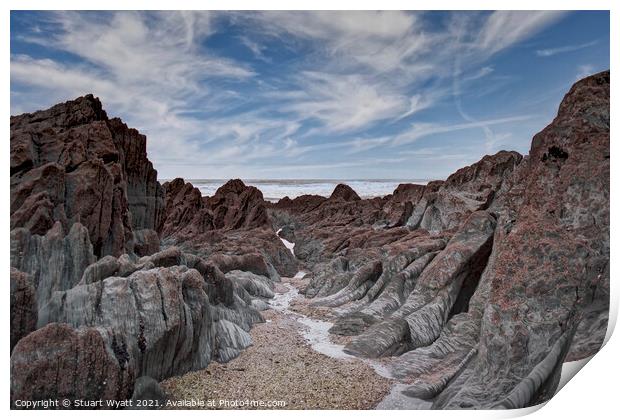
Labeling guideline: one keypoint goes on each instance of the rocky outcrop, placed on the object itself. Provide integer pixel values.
(232, 227)
(469, 189)
(186, 213)
(88, 270)
(237, 206)
(71, 164)
(233, 206)
(550, 270)
(146, 242)
(478, 287)
(55, 261)
(345, 193)
(162, 313)
(440, 291)
(482, 284)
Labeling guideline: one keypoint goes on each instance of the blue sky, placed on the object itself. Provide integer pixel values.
(348, 95)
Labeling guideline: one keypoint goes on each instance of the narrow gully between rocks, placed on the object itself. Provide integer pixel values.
(316, 333)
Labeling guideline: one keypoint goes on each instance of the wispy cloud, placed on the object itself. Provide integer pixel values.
(221, 93)
(548, 52)
(347, 102)
(505, 28)
(483, 72)
(421, 130)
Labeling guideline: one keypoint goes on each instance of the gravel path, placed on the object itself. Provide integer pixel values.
(282, 366)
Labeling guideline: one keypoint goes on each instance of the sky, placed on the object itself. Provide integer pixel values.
(334, 95)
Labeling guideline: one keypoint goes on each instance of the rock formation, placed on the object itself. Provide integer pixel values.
(71, 163)
(95, 300)
(482, 284)
(478, 287)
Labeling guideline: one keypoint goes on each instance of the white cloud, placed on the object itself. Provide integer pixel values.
(483, 72)
(548, 52)
(255, 47)
(504, 28)
(356, 70)
(346, 102)
(420, 130)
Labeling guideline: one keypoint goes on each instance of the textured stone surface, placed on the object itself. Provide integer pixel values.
(71, 163)
(60, 362)
(55, 262)
(88, 270)
(23, 306)
(521, 286)
(551, 265)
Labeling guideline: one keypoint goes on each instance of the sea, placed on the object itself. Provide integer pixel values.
(275, 189)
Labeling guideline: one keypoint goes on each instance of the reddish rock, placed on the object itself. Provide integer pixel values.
(237, 206)
(345, 193)
(551, 265)
(60, 362)
(23, 306)
(71, 163)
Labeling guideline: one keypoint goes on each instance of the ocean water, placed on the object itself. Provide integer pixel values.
(275, 189)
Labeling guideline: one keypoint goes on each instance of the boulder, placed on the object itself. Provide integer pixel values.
(61, 362)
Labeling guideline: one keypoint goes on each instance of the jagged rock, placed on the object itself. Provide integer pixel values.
(438, 291)
(552, 262)
(146, 242)
(71, 164)
(186, 213)
(251, 262)
(106, 267)
(469, 189)
(345, 193)
(164, 333)
(256, 285)
(303, 203)
(23, 306)
(360, 283)
(54, 261)
(237, 206)
(396, 282)
(232, 339)
(60, 362)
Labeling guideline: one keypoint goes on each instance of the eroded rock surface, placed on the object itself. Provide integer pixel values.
(71, 163)
(482, 284)
(478, 287)
(96, 300)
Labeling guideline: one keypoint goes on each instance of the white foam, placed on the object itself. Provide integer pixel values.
(281, 301)
(315, 332)
(317, 335)
(287, 244)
